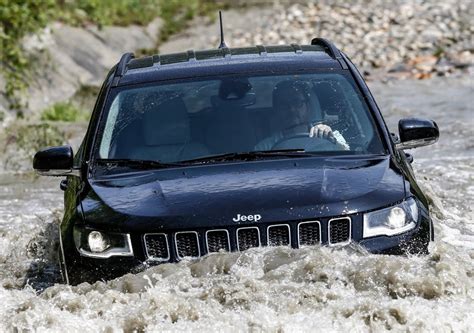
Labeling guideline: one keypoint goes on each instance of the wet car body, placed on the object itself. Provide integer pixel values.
(173, 212)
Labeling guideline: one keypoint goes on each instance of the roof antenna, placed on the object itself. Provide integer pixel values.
(222, 45)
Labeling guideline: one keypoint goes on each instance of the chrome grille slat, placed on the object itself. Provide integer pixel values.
(339, 231)
(279, 235)
(217, 240)
(187, 244)
(309, 233)
(156, 247)
(247, 238)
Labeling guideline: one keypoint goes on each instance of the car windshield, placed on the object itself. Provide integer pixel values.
(315, 113)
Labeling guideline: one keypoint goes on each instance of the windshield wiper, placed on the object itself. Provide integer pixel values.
(141, 164)
(242, 156)
(251, 155)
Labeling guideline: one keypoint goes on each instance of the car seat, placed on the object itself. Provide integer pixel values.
(166, 132)
(231, 127)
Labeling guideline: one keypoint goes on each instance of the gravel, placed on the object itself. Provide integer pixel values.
(404, 38)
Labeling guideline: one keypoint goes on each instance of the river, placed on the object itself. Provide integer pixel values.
(266, 289)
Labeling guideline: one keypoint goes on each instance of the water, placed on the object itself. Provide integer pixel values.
(275, 289)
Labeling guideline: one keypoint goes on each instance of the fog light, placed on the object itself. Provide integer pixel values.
(97, 242)
(396, 218)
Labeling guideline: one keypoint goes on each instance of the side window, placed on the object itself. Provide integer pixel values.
(359, 114)
(343, 110)
(109, 129)
(85, 147)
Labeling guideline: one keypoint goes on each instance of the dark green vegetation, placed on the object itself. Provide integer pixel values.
(176, 13)
(21, 17)
(23, 139)
(64, 111)
(35, 136)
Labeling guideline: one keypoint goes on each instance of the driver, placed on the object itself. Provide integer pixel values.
(293, 114)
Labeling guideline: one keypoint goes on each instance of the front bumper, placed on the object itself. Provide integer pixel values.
(88, 269)
(414, 241)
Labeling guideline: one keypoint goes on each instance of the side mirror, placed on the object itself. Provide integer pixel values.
(54, 161)
(415, 132)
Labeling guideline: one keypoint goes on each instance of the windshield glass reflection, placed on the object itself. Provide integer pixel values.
(313, 113)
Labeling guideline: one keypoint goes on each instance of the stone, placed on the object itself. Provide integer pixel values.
(400, 67)
(423, 63)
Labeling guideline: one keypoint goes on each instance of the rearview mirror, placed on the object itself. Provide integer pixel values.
(244, 101)
(415, 132)
(54, 161)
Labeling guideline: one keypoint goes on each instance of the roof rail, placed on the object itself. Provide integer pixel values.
(225, 52)
(191, 55)
(297, 48)
(122, 67)
(261, 50)
(332, 50)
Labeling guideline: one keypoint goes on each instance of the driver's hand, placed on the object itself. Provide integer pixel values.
(322, 131)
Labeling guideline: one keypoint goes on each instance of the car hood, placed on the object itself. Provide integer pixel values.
(214, 194)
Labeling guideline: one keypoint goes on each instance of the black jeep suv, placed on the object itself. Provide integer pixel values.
(223, 150)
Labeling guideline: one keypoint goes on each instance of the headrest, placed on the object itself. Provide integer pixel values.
(234, 88)
(165, 121)
(288, 91)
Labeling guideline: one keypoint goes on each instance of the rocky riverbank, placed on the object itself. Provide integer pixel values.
(69, 59)
(417, 39)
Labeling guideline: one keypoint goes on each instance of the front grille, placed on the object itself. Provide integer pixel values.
(247, 238)
(279, 235)
(187, 244)
(309, 233)
(339, 230)
(217, 240)
(156, 246)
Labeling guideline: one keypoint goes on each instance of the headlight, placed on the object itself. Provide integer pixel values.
(97, 244)
(391, 221)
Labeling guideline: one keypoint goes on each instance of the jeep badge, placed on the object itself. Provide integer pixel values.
(244, 218)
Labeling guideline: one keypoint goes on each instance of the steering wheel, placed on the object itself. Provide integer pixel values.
(302, 140)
